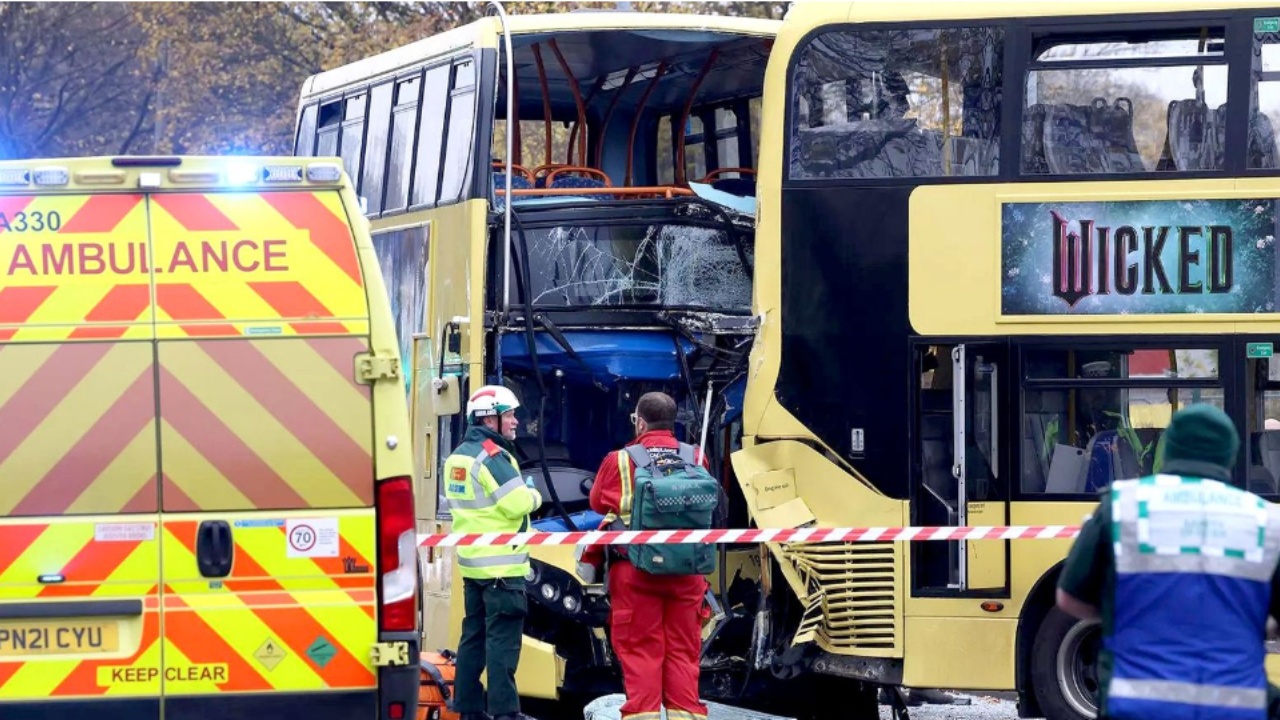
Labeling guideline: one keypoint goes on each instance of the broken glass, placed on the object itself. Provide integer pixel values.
(666, 264)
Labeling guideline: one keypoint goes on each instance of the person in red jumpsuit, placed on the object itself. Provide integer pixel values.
(655, 620)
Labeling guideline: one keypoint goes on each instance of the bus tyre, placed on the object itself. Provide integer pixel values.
(1064, 670)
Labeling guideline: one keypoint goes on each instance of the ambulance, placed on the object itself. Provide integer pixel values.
(206, 504)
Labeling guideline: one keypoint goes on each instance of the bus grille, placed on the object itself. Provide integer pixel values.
(853, 591)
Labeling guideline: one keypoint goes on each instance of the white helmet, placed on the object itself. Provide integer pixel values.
(489, 401)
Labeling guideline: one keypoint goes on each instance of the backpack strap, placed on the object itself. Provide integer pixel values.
(687, 453)
(640, 454)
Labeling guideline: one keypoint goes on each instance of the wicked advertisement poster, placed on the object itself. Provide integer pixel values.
(1139, 257)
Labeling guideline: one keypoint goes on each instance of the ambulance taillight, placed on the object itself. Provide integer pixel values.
(397, 555)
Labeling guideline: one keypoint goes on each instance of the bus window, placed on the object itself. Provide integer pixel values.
(374, 172)
(327, 135)
(754, 110)
(403, 120)
(435, 99)
(1126, 106)
(892, 103)
(352, 141)
(726, 138)
(305, 143)
(459, 148)
(695, 156)
(1093, 416)
(1265, 98)
(1260, 446)
(666, 153)
(533, 143)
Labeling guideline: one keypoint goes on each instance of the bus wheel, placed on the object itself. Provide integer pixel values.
(1064, 667)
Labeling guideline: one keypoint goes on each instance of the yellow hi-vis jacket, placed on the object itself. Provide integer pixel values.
(487, 494)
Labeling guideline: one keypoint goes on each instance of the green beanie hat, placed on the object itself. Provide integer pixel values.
(1200, 433)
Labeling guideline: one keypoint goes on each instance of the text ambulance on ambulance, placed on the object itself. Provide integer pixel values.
(205, 500)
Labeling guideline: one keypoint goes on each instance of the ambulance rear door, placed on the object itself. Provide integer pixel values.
(266, 453)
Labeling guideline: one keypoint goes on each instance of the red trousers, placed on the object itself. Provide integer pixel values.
(657, 635)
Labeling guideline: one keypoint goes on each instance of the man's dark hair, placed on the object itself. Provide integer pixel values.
(658, 410)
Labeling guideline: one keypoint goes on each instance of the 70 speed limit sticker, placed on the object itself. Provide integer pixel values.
(312, 537)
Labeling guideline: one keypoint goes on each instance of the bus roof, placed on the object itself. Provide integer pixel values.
(805, 15)
(487, 32)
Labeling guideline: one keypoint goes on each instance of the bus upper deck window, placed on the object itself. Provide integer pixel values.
(1264, 116)
(1147, 103)
(894, 103)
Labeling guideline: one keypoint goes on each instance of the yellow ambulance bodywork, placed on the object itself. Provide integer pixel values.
(199, 400)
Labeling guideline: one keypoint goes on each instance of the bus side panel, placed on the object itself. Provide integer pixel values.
(267, 456)
(79, 556)
(455, 276)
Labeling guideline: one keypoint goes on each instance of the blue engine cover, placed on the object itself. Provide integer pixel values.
(633, 356)
(585, 520)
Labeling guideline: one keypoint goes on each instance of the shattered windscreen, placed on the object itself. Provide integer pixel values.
(666, 264)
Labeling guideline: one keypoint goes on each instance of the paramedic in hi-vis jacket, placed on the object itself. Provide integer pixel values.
(655, 621)
(487, 494)
(1180, 566)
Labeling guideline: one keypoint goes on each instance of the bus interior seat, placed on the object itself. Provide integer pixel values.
(521, 180)
(1034, 161)
(1094, 138)
(875, 148)
(1108, 456)
(1195, 138)
(564, 177)
(572, 176)
(1258, 478)
(1262, 141)
(1266, 445)
(518, 181)
(977, 148)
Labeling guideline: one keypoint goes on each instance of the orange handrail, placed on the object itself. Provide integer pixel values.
(538, 171)
(546, 99)
(572, 169)
(721, 171)
(517, 168)
(664, 190)
(635, 121)
(577, 99)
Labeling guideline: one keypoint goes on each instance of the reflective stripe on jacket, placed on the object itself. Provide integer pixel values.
(487, 494)
(1194, 560)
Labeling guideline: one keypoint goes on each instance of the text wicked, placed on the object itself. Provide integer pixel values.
(1096, 259)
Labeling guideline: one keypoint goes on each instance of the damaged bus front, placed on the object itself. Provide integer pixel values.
(565, 205)
(628, 270)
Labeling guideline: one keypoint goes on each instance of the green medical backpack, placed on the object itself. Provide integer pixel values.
(681, 496)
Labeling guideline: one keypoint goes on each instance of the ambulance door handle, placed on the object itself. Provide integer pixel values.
(214, 548)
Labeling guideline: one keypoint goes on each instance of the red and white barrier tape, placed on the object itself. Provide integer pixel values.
(714, 537)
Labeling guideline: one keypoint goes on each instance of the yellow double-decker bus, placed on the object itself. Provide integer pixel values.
(998, 245)
(626, 143)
